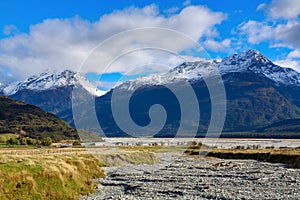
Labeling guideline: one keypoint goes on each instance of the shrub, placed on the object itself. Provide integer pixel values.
(47, 141)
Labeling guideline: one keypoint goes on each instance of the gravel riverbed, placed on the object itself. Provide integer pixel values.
(181, 177)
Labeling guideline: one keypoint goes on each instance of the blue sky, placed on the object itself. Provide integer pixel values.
(38, 35)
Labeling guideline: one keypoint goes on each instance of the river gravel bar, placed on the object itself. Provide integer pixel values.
(182, 177)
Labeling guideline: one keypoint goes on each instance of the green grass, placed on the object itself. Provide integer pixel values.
(4, 145)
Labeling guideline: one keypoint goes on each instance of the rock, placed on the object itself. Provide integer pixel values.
(194, 178)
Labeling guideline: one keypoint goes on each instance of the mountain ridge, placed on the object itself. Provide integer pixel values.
(20, 118)
(48, 80)
(257, 90)
(250, 60)
(259, 93)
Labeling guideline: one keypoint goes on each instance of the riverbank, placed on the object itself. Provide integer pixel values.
(289, 156)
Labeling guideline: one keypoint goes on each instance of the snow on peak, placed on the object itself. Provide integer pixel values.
(185, 71)
(242, 61)
(256, 62)
(49, 80)
(250, 60)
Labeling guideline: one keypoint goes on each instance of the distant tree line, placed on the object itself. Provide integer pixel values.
(29, 141)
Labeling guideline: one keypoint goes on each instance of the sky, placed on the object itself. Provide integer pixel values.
(109, 38)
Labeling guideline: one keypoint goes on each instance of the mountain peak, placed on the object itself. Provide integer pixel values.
(48, 80)
(242, 61)
(254, 61)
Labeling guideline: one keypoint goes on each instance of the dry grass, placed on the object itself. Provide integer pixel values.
(5, 137)
(63, 176)
(285, 151)
(290, 156)
(59, 173)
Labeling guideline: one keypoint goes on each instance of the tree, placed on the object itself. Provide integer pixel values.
(47, 141)
(23, 141)
(11, 141)
(31, 141)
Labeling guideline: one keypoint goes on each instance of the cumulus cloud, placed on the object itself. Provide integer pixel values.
(290, 63)
(281, 28)
(279, 35)
(256, 31)
(294, 54)
(64, 43)
(216, 46)
(286, 9)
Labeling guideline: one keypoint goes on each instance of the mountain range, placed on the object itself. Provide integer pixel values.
(258, 92)
(259, 95)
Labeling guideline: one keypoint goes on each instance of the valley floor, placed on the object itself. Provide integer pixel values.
(185, 177)
(67, 173)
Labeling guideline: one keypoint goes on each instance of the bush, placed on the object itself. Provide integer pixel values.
(47, 142)
(23, 141)
(12, 141)
(31, 141)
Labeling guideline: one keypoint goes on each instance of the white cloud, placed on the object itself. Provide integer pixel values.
(286, 9)
(279, 35)
(280, 29)
(261, 7)
(290, 63)
(216, 46)
(172, 10)
(294, 54)
(10, 29)
(186, 3)
(106, 85)
(64, 43)
(256, 31)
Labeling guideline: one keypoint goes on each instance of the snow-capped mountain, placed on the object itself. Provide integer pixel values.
(258, 93)
(254, 61)
(250, 60)
(52, 92)
(47, 81)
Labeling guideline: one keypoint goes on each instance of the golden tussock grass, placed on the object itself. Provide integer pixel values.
(63, 176)
(60, 173)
